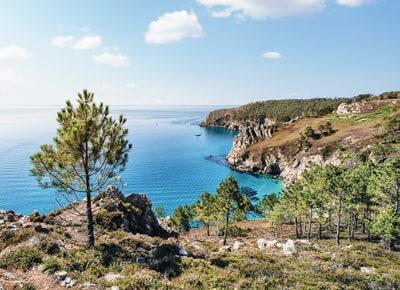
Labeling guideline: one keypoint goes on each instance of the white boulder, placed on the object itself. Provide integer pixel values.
(289, 248)
(368, 270)
(111, 277)
(236, 246)
(266, 244)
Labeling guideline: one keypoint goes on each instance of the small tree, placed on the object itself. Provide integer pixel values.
(267, 203)
(279, 215)
(159, 211)
(387, 226)
(89, 150)
(230, 203)
(182, 218)
(205, 210)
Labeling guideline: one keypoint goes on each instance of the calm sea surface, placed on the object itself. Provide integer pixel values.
(168, 162)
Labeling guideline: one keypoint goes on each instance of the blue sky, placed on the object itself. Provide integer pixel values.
(191, 52)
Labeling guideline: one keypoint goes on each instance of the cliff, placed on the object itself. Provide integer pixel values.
(270, 146)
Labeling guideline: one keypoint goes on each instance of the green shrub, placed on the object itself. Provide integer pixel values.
(28, 286)
(51, 266)
(22, 258)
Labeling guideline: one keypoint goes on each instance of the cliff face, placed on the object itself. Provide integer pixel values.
(270, 147)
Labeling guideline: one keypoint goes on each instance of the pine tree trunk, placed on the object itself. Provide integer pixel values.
(296, 222)
(226, 228)
(301, 226)
(350, 225)
(309, 225)
(320, 230)
(363, 221)
(89, 213)
(90, 222)
(398, 197)
(208, 230)
(338, 223)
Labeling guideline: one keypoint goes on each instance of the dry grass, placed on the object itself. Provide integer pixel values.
(360, 127)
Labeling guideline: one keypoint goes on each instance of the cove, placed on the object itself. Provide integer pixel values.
(172, 161)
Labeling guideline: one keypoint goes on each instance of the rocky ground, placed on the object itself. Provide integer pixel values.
(47, 252)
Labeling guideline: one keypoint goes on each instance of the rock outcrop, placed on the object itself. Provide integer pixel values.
(248, 135)
(363, 107)
(132, 213)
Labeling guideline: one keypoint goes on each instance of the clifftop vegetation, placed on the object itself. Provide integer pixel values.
(288, 109)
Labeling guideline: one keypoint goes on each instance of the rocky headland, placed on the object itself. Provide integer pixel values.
(269, 144)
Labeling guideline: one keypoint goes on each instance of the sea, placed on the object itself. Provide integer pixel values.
(173, 159)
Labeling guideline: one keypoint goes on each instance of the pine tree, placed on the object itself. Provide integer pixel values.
(230, 203)
(90, 149)
(205, 210)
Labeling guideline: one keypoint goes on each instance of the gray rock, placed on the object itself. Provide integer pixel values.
(368, 270)
(182, 251)
(266, 244)
(236, 246)
(224, 249)
(61, 275)
(111, 277)
(289, 248)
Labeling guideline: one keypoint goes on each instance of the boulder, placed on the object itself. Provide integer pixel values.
(224, 249)
(236, 246)
(289, 248)
(266, 244)
(111, 277)
(130, 213)
(61, 275)
(368, 270)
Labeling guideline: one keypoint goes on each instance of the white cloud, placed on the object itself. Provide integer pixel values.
(173, 27)
(14, 52)
(9, 78)
(85, 43)
(62, 41)
(262, 9)
(353, 3)
(88, 42)
(273, 55)
(131, 85)
(112, 59)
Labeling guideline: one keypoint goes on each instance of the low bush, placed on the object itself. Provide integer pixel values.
(51, 266)
(22, 258)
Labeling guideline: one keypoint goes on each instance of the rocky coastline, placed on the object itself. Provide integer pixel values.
(280, 161)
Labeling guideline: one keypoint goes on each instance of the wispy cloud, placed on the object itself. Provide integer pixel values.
(88, 42)
(85, 43)
(63, 41)
(111, 59)
(173, 27)
(130, 85)
(273, 55)
(14, 52)
(262, 9)
(353, 3)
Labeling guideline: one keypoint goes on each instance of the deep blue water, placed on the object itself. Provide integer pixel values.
(168, 162)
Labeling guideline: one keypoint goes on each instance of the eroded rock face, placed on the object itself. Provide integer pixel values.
(132, 213)
(248, 135)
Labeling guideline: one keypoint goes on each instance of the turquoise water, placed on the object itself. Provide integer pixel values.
(168, 162)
